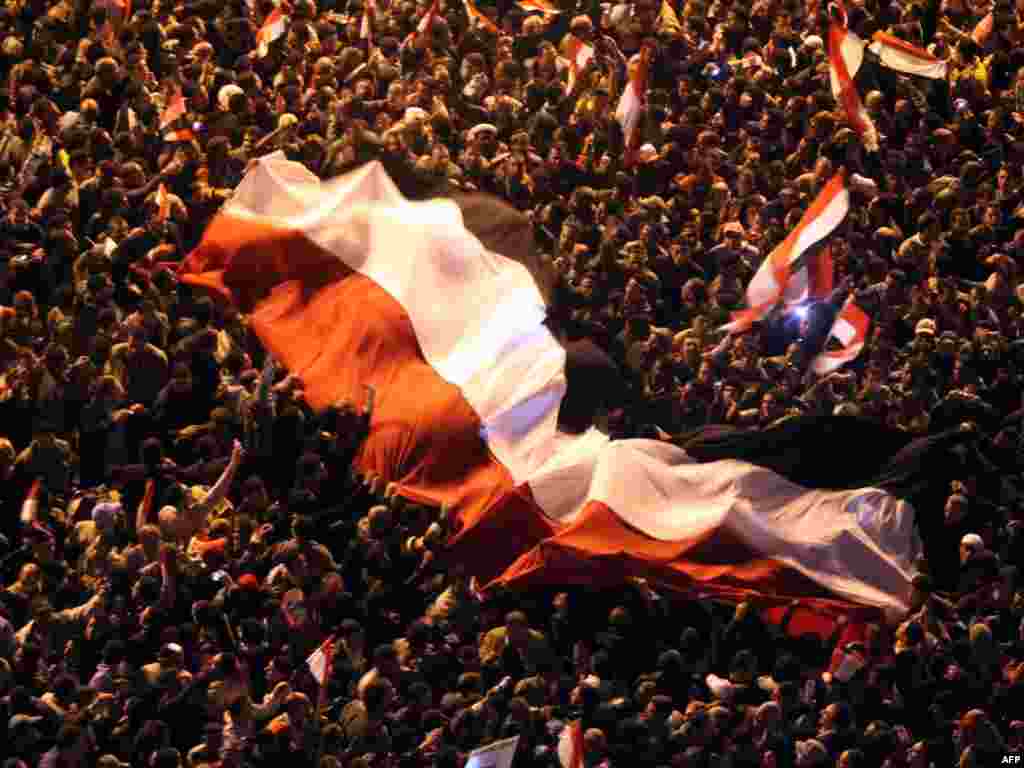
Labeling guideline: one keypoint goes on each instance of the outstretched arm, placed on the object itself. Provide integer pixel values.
(197, 514)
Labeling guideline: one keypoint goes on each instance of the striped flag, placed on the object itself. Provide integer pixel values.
(570, 745)
(274, 26)
(779, 277)
(319, 662)
(30, 507)
(851, 331)
(631, 103)
(845, 56)
(532, 505)
(579, 54)
(424, 24)
(500, 754)
(901, 56)
(811, 277)
(476, 16)
(541, 6)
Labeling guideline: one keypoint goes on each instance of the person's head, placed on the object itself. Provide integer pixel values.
(971, 546)
(377, 697)
(928, 227)
(518, 628)
(834, 717)
(811, 754)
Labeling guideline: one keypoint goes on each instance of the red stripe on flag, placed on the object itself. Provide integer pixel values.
(849, 97)
(903, 45)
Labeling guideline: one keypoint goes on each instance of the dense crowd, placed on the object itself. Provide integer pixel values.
(148, 612)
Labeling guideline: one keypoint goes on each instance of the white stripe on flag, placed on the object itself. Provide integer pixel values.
(844, 331)
(628, 112)
(500, 754)
(318, 662)
(823, 225)
(850, 329)
(903, 61)
(852, 51)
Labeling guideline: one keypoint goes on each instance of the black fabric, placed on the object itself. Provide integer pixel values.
(837, 452)
(812, 451)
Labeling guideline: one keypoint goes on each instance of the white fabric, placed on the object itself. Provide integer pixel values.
(852, 52)
(858, 544)
(497, 755)
(850, 329)
(905, 61)
(628, 111)
(318, 662)
(478, 316)
(764, 290)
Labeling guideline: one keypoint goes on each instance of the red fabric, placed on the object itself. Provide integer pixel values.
(340, 331)
(903, 45)
(598, 549)
(849, 96)
(821, 274)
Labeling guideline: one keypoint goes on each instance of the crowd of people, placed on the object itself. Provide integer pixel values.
(180, 532)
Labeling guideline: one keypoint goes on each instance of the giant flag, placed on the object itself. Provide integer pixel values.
(349, 283)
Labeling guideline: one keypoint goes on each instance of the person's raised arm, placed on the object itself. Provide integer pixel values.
(168, 576)
(198, 513)
(145, 508)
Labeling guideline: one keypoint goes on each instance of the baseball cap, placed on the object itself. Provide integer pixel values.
(925, 327)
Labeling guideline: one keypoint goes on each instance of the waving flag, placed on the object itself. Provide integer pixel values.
(342, 280)
(579, 54)
(424, 25)
(787, 275)
(319, 662)
(631, 103)
(845, 56)
(541, 6)
(500, 754)
(476, 16)
(903, 57)
(851, 331)
(275, 25)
